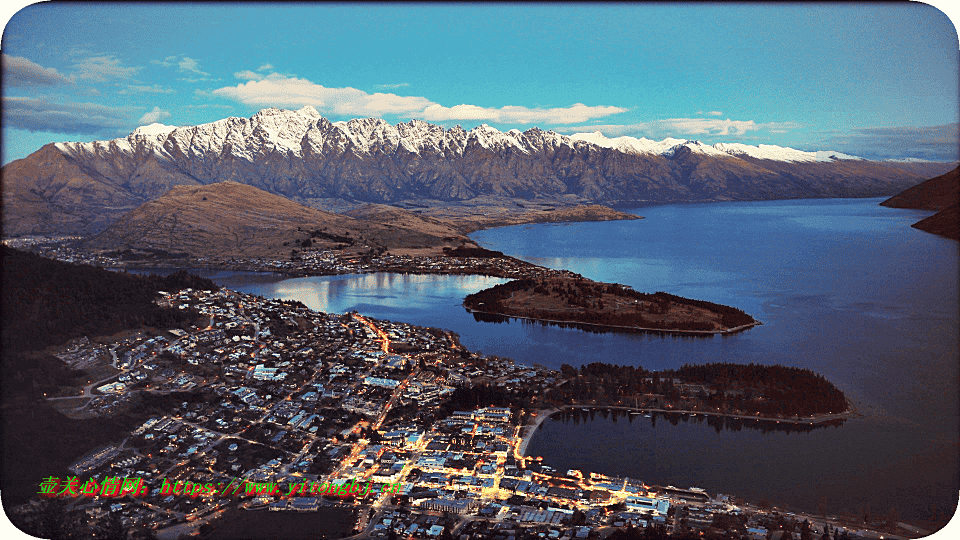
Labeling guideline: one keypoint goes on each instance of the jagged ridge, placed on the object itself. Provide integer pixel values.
(82, 187)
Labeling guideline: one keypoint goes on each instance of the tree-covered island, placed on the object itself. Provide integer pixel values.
(737, 390)
(609, 306)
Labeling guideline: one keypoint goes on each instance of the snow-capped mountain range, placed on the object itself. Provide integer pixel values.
(76, 187)
(296, 133)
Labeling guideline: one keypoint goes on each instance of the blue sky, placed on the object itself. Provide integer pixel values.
(875, 80)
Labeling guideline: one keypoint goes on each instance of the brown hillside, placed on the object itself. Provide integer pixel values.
(81, 188)
(47, 193)
(398, 217)
(945, 223)
(229, 219)
(936, 193)
(940, 193)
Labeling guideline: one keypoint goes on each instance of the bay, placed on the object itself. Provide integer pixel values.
(843, 287)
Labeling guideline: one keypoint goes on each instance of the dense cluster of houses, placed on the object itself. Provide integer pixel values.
(270, 392)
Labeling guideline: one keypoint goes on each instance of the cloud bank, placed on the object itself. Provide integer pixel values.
(156, 115)
(684, 126)
(934, 143)
(19, 71)
(41, 115)
(103, 68)
(282, 91)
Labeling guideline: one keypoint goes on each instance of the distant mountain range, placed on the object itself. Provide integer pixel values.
(942, 194)
(81, 188)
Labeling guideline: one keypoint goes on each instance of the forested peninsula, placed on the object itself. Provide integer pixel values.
(750, 391)
(605, 306)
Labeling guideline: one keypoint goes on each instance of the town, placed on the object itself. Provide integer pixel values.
(269, 391)
(304, 262)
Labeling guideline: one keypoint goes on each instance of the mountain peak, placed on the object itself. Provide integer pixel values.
(154, 129)
(309, 111)
(83, 186)
(269, 111)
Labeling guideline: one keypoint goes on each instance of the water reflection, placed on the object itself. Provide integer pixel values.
(719, 423)
(480, 316)
(380, 292)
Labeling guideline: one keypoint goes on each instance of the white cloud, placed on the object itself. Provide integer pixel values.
(283, 91)
(139, 89)
(265, 67)
(685, 126)
(169, 61)
(102, 68)
(610, 130)
(184, 64)
(385, 86)
(517, 114)
(209, 106)
(191, 65)
(156, 115)
(248, 75)
(708, 126)
(292, 92)
(19, 71)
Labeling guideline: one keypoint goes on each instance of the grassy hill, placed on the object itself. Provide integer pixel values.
(229, 219)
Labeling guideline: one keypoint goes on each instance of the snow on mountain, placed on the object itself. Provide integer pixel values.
(629, 145)
(494, 139)
(831, 155)
(700, 148)
(417, 135)
(305, 157)
(363, 133)
(766, 151)
(291, 133)
(909, 160)
(153, 130)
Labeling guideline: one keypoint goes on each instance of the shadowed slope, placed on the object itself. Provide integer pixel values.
(940, 193)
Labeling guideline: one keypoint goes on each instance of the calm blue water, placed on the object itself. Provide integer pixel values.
(843, 287)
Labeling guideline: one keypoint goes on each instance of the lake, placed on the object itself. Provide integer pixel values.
(843, 287)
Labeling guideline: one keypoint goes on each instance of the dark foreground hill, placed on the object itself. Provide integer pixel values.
(945, 223)
(47, 302)
(941, 193)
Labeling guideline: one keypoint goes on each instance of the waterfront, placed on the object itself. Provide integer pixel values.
(844, 287)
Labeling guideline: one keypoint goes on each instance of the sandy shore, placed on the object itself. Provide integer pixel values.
(531, 429)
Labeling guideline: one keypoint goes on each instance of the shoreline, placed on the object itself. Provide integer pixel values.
(528, 432)
(543, 414)
(813, 420)
(616, 328)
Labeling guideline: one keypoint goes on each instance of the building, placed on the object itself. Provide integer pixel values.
(454, 506)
